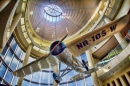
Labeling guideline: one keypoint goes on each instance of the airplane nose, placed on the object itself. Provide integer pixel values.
(58, 49)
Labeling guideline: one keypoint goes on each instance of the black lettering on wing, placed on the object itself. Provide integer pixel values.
(85, 42)
(103, 33)
(113, 28)
(79, 45)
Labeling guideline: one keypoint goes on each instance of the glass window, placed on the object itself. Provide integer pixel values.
(8, 76)
(51, 77)
(2, 70)
(15, 81)
(62, 66)
(83, 57)
(44, 77)
(36, 77)
(68, 76)
(41, 84)
(4, 51)
(81, 83)
(14, 63)
(73, 84)
(89, 81)
(28, 77)
(31, 59)
(20, 65)
(34, 84)
(63, 85)
(64, 78)
(8, 57)
(25, 83)
(13, 45)
(23, 56)
(18, 52)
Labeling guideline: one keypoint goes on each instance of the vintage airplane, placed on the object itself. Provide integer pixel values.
(67, 53)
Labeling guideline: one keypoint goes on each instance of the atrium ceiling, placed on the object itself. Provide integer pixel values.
(52, 19)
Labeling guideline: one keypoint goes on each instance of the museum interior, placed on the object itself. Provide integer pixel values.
(29, 27)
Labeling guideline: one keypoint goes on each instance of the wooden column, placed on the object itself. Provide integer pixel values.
(3, 4)
(28, 51)
(91, 65)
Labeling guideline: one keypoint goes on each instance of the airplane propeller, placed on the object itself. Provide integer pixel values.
(55, 46)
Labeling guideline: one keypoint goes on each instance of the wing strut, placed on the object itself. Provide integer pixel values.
(57, 78)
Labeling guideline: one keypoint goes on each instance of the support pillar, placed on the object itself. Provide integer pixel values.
(91, 65)
(121, 40)
(110, 83)
(122, 81)
(5, 16)
(117, 84)
(3, 4)
(28, 51)
(127, 77)
(118, 36)
(15, 21)
(55, 71)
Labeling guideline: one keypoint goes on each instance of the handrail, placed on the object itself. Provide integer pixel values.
(113, 53)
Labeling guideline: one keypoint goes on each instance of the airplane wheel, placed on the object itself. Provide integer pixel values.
(54, 75)
(55, 78)
(57, 81)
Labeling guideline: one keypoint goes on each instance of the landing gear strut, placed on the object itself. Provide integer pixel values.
(57, 77)
(85, 65)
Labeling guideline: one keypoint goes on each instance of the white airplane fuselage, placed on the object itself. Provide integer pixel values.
(64, 55)
(66, 58)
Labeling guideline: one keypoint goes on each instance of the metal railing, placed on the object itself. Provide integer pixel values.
(113, 53)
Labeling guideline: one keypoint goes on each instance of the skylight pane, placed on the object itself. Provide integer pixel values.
(52, 12)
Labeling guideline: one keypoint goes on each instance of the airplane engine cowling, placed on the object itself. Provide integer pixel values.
(59, 49)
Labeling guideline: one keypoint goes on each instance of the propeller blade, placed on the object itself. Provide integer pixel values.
(59, 42)
(56, 45)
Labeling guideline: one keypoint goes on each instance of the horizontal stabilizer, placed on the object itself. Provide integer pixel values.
(36, 66)
(77, 77)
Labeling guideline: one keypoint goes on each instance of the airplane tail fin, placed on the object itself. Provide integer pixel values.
(77, 77)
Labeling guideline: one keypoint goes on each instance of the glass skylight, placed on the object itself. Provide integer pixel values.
(52, 12)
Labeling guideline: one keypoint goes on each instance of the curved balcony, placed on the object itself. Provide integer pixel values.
(115, 60)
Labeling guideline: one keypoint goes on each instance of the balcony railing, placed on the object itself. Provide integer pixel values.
(113, 53)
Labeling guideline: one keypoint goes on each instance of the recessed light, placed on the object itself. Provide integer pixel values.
(37, 29)
(31, 12)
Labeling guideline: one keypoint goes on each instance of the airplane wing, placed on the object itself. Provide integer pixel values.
(37, 65)
(82, 43)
